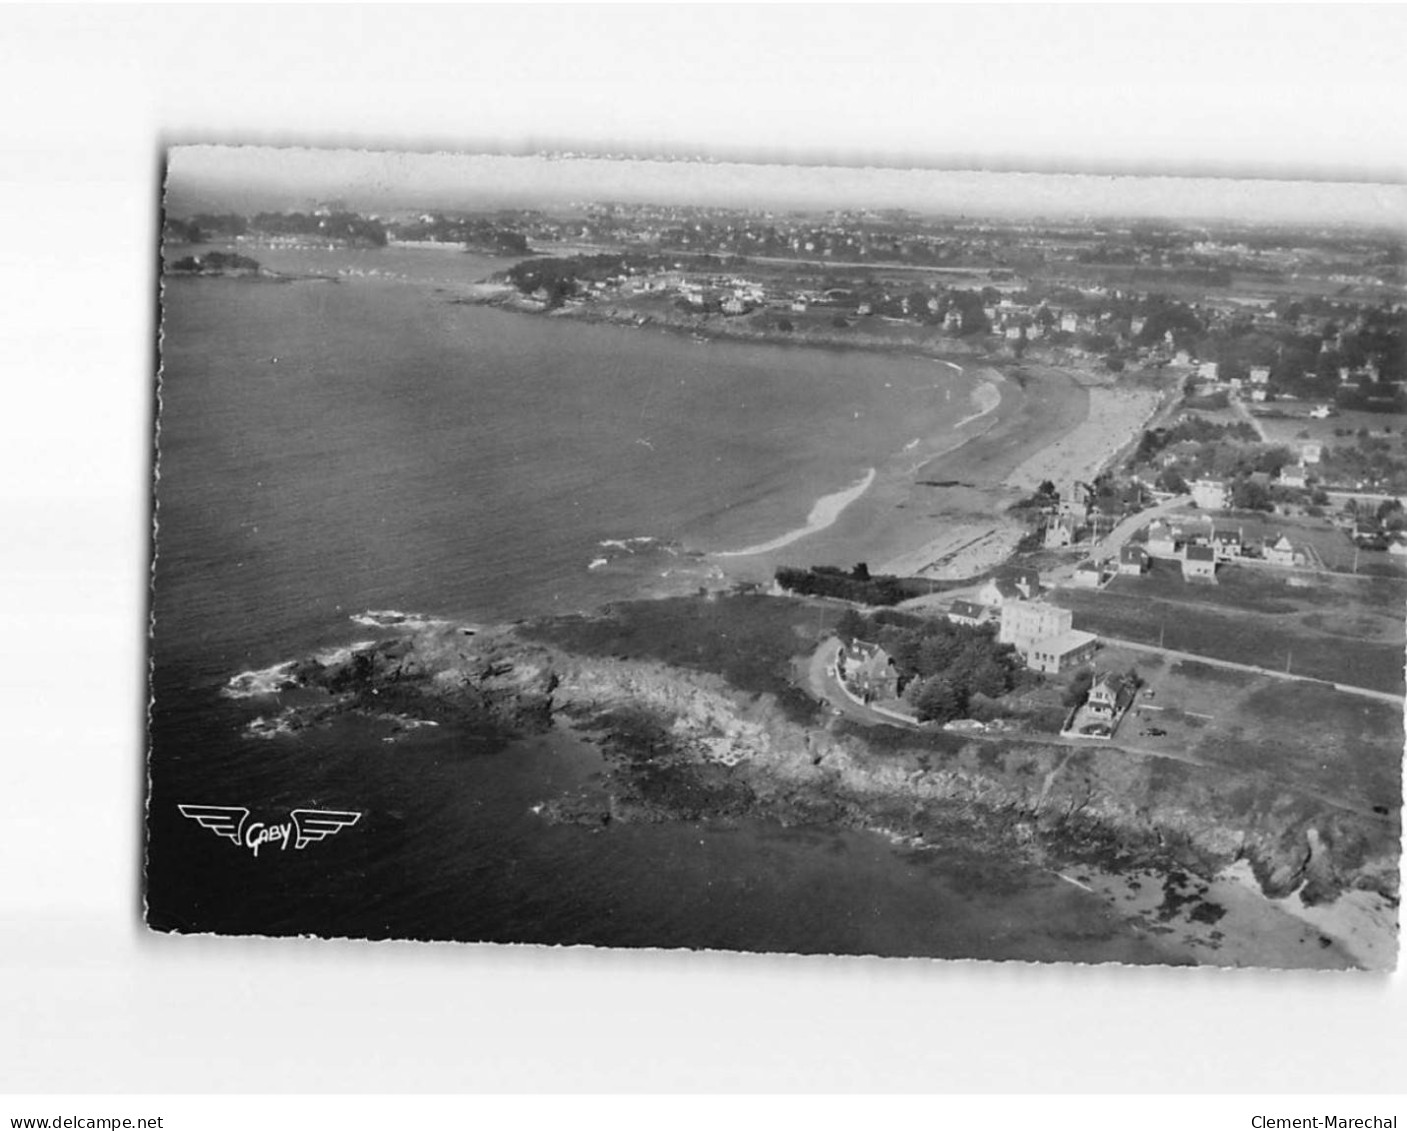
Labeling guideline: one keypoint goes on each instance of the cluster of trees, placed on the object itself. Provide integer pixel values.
(203, 227)
(347, 227)
(560, 276)
(475, 232)
(1373, 459)
(944, 668)
(1197, 429)
(854, 585)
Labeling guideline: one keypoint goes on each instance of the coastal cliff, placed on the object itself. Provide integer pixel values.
(683, 742)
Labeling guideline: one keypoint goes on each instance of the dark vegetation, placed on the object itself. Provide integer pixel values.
(749, 640)
(860, 586)
(854, 585)
(215, 263)
(477, 233)
(946, 668)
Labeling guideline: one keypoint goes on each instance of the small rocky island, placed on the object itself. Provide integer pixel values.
(224, 264)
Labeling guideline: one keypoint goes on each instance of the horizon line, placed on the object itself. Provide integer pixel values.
(808, 158)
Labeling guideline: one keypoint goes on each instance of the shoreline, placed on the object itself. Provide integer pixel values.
(824, 514)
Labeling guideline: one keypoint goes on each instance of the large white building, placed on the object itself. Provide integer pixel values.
(1043, 636)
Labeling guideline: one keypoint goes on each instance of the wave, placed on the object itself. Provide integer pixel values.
(266, 681)
(342, 655)
(828, 508)
(280, 724)
(987, 397)
(394, 618)
(628, 545)
(597, 563)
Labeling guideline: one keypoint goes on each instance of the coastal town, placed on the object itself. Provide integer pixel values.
(1200, 566)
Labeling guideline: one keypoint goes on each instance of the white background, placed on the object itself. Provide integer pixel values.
(89, 1000)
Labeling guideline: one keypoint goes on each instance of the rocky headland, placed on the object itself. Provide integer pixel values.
(682, 742)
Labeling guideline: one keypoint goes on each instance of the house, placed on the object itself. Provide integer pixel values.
(968, 612)
(1070, 322)
(867, 671)
(1054, 654)
(1109, 696)
(1024, 623)
(997, 592)
(1226, 544)
(1062, 531)
(1397, 546)
(1075, 499)
(1260, 375)
(1211, 494)
(1089, 575)
(1258, 394)
(1026, 579)
(1208, 370)
(1133, 559)
(1280, 552)
(1199, 564)
(1043, 636)
(1311, 452)
(1162, 540)
(1294, 475)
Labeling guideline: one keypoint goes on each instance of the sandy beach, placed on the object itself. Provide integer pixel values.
(1114, 419)
(1227, 921)
(964, 549)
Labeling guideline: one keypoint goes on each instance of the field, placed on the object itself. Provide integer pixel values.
(1297, 426)
(1284, 734)
(1339, 629)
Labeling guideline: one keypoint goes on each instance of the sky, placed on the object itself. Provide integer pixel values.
(250, 178)
(1255, 96)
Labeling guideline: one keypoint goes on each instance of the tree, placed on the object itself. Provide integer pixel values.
(937, 701)
(861, 572)
(1079, 687)
(850, 625)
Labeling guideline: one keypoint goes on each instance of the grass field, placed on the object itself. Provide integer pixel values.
(1286, 734)
(1343, 630)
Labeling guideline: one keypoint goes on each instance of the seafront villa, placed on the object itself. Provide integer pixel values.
(867, 671)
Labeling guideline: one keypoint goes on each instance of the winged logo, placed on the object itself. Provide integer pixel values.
(305, 827)
(319, 824)
(222, 820)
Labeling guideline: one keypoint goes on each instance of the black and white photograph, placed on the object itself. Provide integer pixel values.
(844, 561)
(638, 551)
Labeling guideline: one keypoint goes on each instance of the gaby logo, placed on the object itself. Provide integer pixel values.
(305, 827)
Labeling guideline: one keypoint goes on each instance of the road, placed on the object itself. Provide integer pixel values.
(1367, 692)
(821, 683)
(1238, 406)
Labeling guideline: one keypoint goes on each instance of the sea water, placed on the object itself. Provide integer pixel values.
(333, 448)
